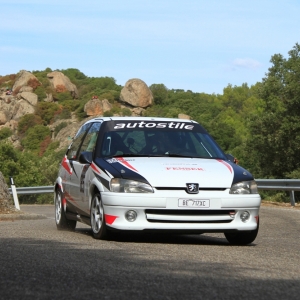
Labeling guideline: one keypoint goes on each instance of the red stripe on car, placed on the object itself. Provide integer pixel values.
(65, 164)
(110, 219)
(95, 168)
(225, 164)
(125, 163)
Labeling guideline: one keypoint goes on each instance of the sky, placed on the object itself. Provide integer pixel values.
(197, 45)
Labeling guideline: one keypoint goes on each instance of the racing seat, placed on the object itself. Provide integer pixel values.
(154, 145)
(117, 145)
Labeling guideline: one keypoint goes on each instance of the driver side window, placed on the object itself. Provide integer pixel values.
(73, 150)
(90, 140)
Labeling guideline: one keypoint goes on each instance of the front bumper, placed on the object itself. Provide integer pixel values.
(160, 211)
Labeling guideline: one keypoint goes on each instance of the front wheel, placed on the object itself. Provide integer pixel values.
(242, 237)
(62, 223)
(97, 218)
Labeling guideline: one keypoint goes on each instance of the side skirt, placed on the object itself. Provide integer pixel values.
(79, 218)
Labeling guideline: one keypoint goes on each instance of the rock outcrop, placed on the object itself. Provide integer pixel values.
(135, 97)
(184, 116)
(62, 83)
(22, 101)
(5, 198)
(31, 98)
(136, 93)
(96, 107)
(66, 135)
(16, 108)
(25, 81)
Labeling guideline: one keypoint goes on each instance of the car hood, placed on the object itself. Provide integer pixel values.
(175, 172)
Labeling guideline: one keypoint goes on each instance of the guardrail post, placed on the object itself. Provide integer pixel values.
(292, 198)
(14, 192)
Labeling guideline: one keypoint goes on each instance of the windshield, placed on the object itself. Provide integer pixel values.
(157, 142)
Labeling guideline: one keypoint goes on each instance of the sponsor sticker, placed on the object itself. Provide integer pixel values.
(184, 169)
(143, 124)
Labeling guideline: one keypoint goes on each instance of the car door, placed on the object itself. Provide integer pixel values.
(79, 182)
(73, 178)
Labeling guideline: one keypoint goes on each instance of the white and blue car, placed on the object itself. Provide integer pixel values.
(154, 174)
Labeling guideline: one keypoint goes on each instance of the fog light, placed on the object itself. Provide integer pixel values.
(130, 215)
(245, 216)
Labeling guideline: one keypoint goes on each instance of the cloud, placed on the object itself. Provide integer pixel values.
(17, 50)
(247, 63)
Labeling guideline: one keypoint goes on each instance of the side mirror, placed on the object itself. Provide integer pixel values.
(86, 157)
(231, 158)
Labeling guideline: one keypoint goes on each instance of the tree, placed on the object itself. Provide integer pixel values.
(159, 92)
(274, 143)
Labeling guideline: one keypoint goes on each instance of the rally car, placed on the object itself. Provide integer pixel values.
(154, 174)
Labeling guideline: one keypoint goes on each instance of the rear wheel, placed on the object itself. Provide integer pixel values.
(62, 223)
(242, 237)
(97, 218)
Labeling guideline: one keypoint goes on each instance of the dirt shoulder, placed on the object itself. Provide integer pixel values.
(9, 213)
(279, 204)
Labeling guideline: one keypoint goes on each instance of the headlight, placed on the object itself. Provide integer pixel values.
(244, 187)
(119, 185)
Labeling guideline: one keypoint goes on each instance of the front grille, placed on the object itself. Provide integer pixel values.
(184, 189)
(189, 216)
(190, 212)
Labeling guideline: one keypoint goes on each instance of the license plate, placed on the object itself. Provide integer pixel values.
(196, 203)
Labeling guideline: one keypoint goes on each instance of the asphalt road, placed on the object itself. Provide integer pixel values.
(39, 262)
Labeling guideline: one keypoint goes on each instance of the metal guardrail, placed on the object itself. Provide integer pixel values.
(278, 184)
(290, 185)
(34, 190)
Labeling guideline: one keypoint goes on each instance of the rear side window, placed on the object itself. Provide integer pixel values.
(90, 139)
(74, 149)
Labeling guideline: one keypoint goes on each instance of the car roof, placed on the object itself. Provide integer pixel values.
(107, 119)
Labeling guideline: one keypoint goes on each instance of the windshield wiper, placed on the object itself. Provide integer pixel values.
(183, 155)
(176, 154)
(167, 154)
(127, 155)
(132, 155)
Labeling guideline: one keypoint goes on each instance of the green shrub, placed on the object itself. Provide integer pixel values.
(59, 127)
(7, 81)
(108, 114)
(275, 196)
(62, 96)
(28, 121)
(5, 133)
(41, 93)
(53, 146)
(126, 112)
(47, 111)
(63, 114)
(116, 110)
(35, 136)
(74, 75)
(71, 105)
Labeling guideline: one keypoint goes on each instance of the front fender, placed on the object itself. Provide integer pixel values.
(94, 185)
(58, 184)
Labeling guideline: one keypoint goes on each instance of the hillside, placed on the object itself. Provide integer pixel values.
(40, 111)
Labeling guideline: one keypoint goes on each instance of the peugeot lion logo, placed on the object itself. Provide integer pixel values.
(192, 188)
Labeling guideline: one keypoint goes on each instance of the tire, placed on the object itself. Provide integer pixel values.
(62, 223)
(242, 237)
(98, 219)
